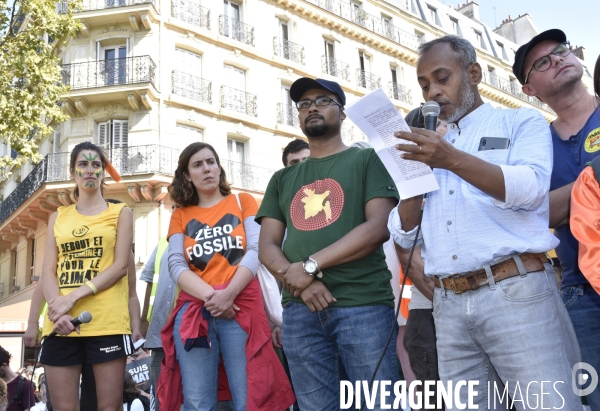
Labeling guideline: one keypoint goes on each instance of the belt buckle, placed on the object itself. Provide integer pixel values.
(451, 280)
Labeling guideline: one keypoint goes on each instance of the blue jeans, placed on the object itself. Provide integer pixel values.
(314, 343)
(583, 305)
(199, 366)
(518, 325)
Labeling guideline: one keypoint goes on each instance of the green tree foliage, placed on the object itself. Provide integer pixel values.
(30, 74)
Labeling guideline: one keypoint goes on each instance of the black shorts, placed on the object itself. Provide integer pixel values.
(64, 351)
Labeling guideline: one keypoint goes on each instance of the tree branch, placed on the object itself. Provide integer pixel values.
(11, 31)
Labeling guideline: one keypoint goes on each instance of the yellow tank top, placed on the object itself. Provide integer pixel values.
(86, 247)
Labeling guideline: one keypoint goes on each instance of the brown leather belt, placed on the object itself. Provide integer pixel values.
(459, 283)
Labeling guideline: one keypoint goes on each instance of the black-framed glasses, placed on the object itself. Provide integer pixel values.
(545, 62)
(321, 101)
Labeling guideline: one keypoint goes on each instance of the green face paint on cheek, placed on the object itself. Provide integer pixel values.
(79, 171)
(98, 173)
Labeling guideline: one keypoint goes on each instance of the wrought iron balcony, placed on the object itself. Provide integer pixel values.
(238, 100)
(376, 24)
(87, 5)
(288, 50)
(236, 30)
(150, 159)
(287, 115)
(336, 68)
(512, 88)
(190, 86)
(105, 73)
(367, 80)
(191, 12)
(248, 177)
(399, 92)
(24, 191)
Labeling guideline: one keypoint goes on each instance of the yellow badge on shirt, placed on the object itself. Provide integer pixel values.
(592, 142)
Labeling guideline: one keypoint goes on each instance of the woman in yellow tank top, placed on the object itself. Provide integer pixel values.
(85, 269)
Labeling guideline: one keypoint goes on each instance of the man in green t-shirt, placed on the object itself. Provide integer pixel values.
(338, 301)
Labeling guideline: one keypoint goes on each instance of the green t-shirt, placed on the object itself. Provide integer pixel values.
(320, 201)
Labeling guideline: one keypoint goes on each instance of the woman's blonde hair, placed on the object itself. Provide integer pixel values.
(3, 395)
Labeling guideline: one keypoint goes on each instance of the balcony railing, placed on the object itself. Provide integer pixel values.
(512, 88)
(288, 50)
(237, 30)
(335, 68)
(287, 115)
(150, 159)
(367, 80)
(87, 5)
(24, 191)
(399, 92)
(247, 177)
(376, 24)
(190, 12)
(190, 86)
(238, 100)
(105, 73)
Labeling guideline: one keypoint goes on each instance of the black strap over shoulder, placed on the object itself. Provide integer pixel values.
(18, 398)
(595, 163)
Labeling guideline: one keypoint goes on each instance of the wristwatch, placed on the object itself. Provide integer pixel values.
(311, 267)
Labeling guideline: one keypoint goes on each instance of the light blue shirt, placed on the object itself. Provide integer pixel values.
(463, 228)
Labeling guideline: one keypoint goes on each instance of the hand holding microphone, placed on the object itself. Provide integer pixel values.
(429, 148)
(67, 324)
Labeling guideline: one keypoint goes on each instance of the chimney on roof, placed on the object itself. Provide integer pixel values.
(470, 9)
(578, 51)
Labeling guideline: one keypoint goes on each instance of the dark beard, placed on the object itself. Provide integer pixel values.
(316, 130)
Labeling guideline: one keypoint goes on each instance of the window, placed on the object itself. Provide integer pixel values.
(113, 134)
(329, 50)
(188, 62)
(365, 68)
(284, 37)
(433, 16)
(360, 17)
(232, 17)
(237, 161)
(112, 56)
(236, 78)
(289, 113)
(502, 50)
(454, 26)
(187, 135)
(492, 79)
(479, 39)
(388, 28)
(187, 76)
(420, 37)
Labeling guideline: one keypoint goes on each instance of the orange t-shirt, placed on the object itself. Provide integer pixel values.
(215, 238)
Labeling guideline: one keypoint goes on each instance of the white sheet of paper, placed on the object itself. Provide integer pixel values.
(378, 118)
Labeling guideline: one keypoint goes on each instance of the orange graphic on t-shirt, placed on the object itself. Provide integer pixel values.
(317, 205)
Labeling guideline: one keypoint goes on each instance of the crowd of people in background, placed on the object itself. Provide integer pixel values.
(332, 231)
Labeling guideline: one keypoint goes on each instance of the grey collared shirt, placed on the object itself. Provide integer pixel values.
(163, 301)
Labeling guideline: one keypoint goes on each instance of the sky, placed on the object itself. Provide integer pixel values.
(579, 19)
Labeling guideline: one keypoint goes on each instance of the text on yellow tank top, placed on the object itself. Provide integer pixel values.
(86, 247)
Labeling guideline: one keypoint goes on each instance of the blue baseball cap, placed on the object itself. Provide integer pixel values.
(302, 85)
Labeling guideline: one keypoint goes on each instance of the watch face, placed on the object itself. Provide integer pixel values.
(310, 266)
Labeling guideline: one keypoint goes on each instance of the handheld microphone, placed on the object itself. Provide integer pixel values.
(84, 318)
(430, 111)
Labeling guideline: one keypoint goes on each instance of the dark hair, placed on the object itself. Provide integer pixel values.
(113, 201)
(293, 147)
(597, 79)
(415, 118)
(4, 356)
(183, 193)
(463, 47)
(130, 391)
(87, 145)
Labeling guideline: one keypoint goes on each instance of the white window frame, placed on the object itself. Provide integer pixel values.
(106, 132)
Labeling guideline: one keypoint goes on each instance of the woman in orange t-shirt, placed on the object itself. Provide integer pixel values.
(213, 256)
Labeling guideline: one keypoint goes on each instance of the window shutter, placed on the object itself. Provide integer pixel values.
(120, 133)
(56, 142)
(103, 130)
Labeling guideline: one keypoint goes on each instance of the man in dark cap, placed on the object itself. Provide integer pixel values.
(338, 301)
(549, 71)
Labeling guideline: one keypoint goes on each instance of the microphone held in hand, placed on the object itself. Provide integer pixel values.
(83, 318)
(430, 111)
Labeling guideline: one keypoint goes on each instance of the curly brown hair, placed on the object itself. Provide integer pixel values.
(87, 145)
(183, 193)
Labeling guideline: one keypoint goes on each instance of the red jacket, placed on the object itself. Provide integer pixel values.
(268, 386)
